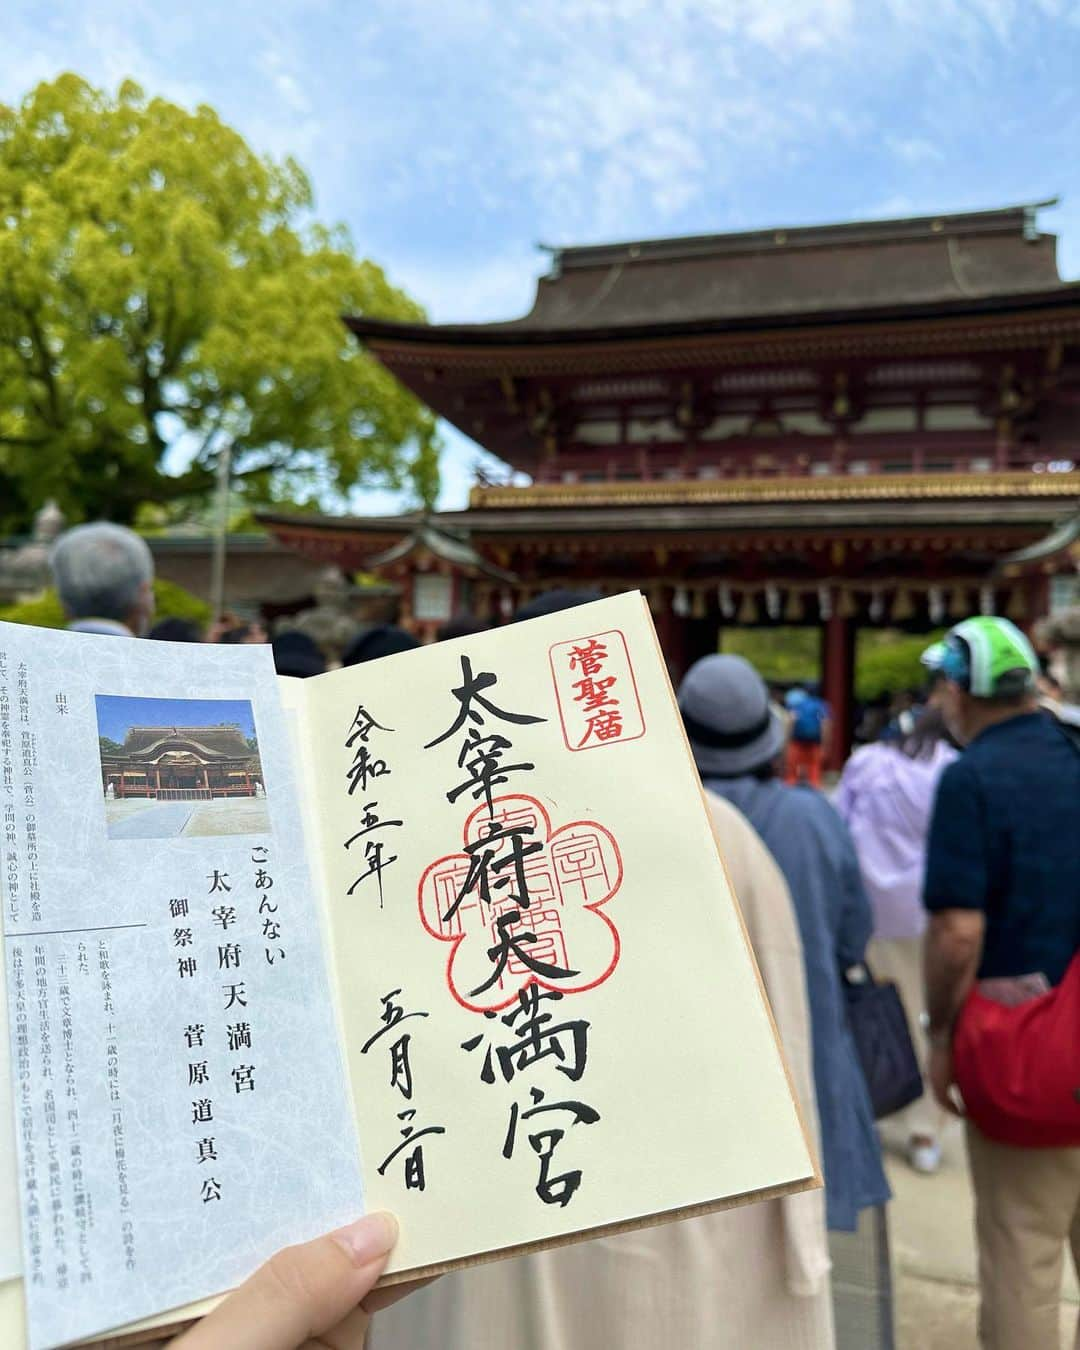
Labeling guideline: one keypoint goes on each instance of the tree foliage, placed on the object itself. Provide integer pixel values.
(892, 663)
(886, 660)
(783, 655)
(170, 602)
(164, 296)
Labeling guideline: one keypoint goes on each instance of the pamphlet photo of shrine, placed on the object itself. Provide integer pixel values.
(172, 767)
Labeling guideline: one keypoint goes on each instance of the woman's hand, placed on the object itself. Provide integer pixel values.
(317, 1295)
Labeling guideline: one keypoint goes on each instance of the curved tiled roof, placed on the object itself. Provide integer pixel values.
(223, 741)
(968, 259)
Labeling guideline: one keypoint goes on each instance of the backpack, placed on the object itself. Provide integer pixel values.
(809, 714)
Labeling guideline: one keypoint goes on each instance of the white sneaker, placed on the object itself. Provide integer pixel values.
(924, 1156)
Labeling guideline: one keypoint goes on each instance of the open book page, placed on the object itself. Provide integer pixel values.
(10, 1237)
(12, 1323)
(294, 706)
(180, 1104)
(553, 1020)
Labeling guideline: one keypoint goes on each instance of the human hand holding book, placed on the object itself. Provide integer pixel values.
(318, 1294)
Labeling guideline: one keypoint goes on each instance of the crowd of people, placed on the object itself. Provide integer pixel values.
(946, 860)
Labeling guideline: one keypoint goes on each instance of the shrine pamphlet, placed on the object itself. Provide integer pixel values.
(446, 934)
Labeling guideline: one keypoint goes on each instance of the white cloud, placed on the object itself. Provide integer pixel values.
(594, 117)
(487, 290)
(272, 61)
(603, 105)
(915, 149)
(458, 466)
(790, 27)
(894, 207)
(604, 112)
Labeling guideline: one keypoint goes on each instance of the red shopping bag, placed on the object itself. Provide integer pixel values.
(1018, 1069)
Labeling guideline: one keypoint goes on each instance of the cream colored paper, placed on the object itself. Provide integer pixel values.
(683, 1064)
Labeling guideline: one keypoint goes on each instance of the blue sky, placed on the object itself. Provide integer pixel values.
(116, 712)
(452, 135)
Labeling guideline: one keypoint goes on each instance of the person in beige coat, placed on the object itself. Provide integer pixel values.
(753, 1276)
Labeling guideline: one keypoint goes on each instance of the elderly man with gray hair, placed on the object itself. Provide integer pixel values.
(105, 579)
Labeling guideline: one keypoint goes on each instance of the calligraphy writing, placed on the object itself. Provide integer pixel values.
(558, 1190)
(479, 755)
(523, 903)
(401, 1080)
(366, 767)
(596, 691)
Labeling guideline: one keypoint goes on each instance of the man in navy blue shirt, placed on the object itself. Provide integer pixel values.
(1003, 890)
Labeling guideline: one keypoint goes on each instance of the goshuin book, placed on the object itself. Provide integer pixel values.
(446, 934)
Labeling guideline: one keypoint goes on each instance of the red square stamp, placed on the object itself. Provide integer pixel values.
(596, 691)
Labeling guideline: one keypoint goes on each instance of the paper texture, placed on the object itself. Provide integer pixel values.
(10, 1237)
(522, 1071)
(179, 1099)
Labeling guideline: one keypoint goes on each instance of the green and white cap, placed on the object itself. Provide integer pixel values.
(987, 656)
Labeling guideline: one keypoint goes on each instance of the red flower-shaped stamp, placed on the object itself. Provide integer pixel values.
(521, 904)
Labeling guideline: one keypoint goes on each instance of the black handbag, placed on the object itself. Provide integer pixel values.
(882, 1041)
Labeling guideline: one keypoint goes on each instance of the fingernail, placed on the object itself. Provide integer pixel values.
(368, 1238)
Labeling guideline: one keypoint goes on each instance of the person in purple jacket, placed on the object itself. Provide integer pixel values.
(886, 795)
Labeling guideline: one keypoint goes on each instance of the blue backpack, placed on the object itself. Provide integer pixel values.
(810, 713)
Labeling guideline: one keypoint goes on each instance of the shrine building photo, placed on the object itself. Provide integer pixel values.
(163, 777)
(841, 427)
(182, 763)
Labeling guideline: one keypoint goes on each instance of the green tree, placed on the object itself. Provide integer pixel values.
(163, 294)
(170, 602)
(888, 661)
(110, 747)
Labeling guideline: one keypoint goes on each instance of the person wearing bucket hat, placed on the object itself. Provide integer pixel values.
(1002, 887)
(732, 725)
(737, 739)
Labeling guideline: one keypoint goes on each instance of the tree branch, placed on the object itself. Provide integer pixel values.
(24, 440)
(215, 428)
(44, 371)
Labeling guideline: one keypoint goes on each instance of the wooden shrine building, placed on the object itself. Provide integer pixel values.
(868, 423)
(182, 764)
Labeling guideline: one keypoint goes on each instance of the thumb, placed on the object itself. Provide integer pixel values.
(300, 1292)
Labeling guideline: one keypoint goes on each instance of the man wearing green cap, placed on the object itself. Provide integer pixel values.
(1003, 890)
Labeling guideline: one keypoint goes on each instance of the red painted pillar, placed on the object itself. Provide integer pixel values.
(671, 632)
(838, 681)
